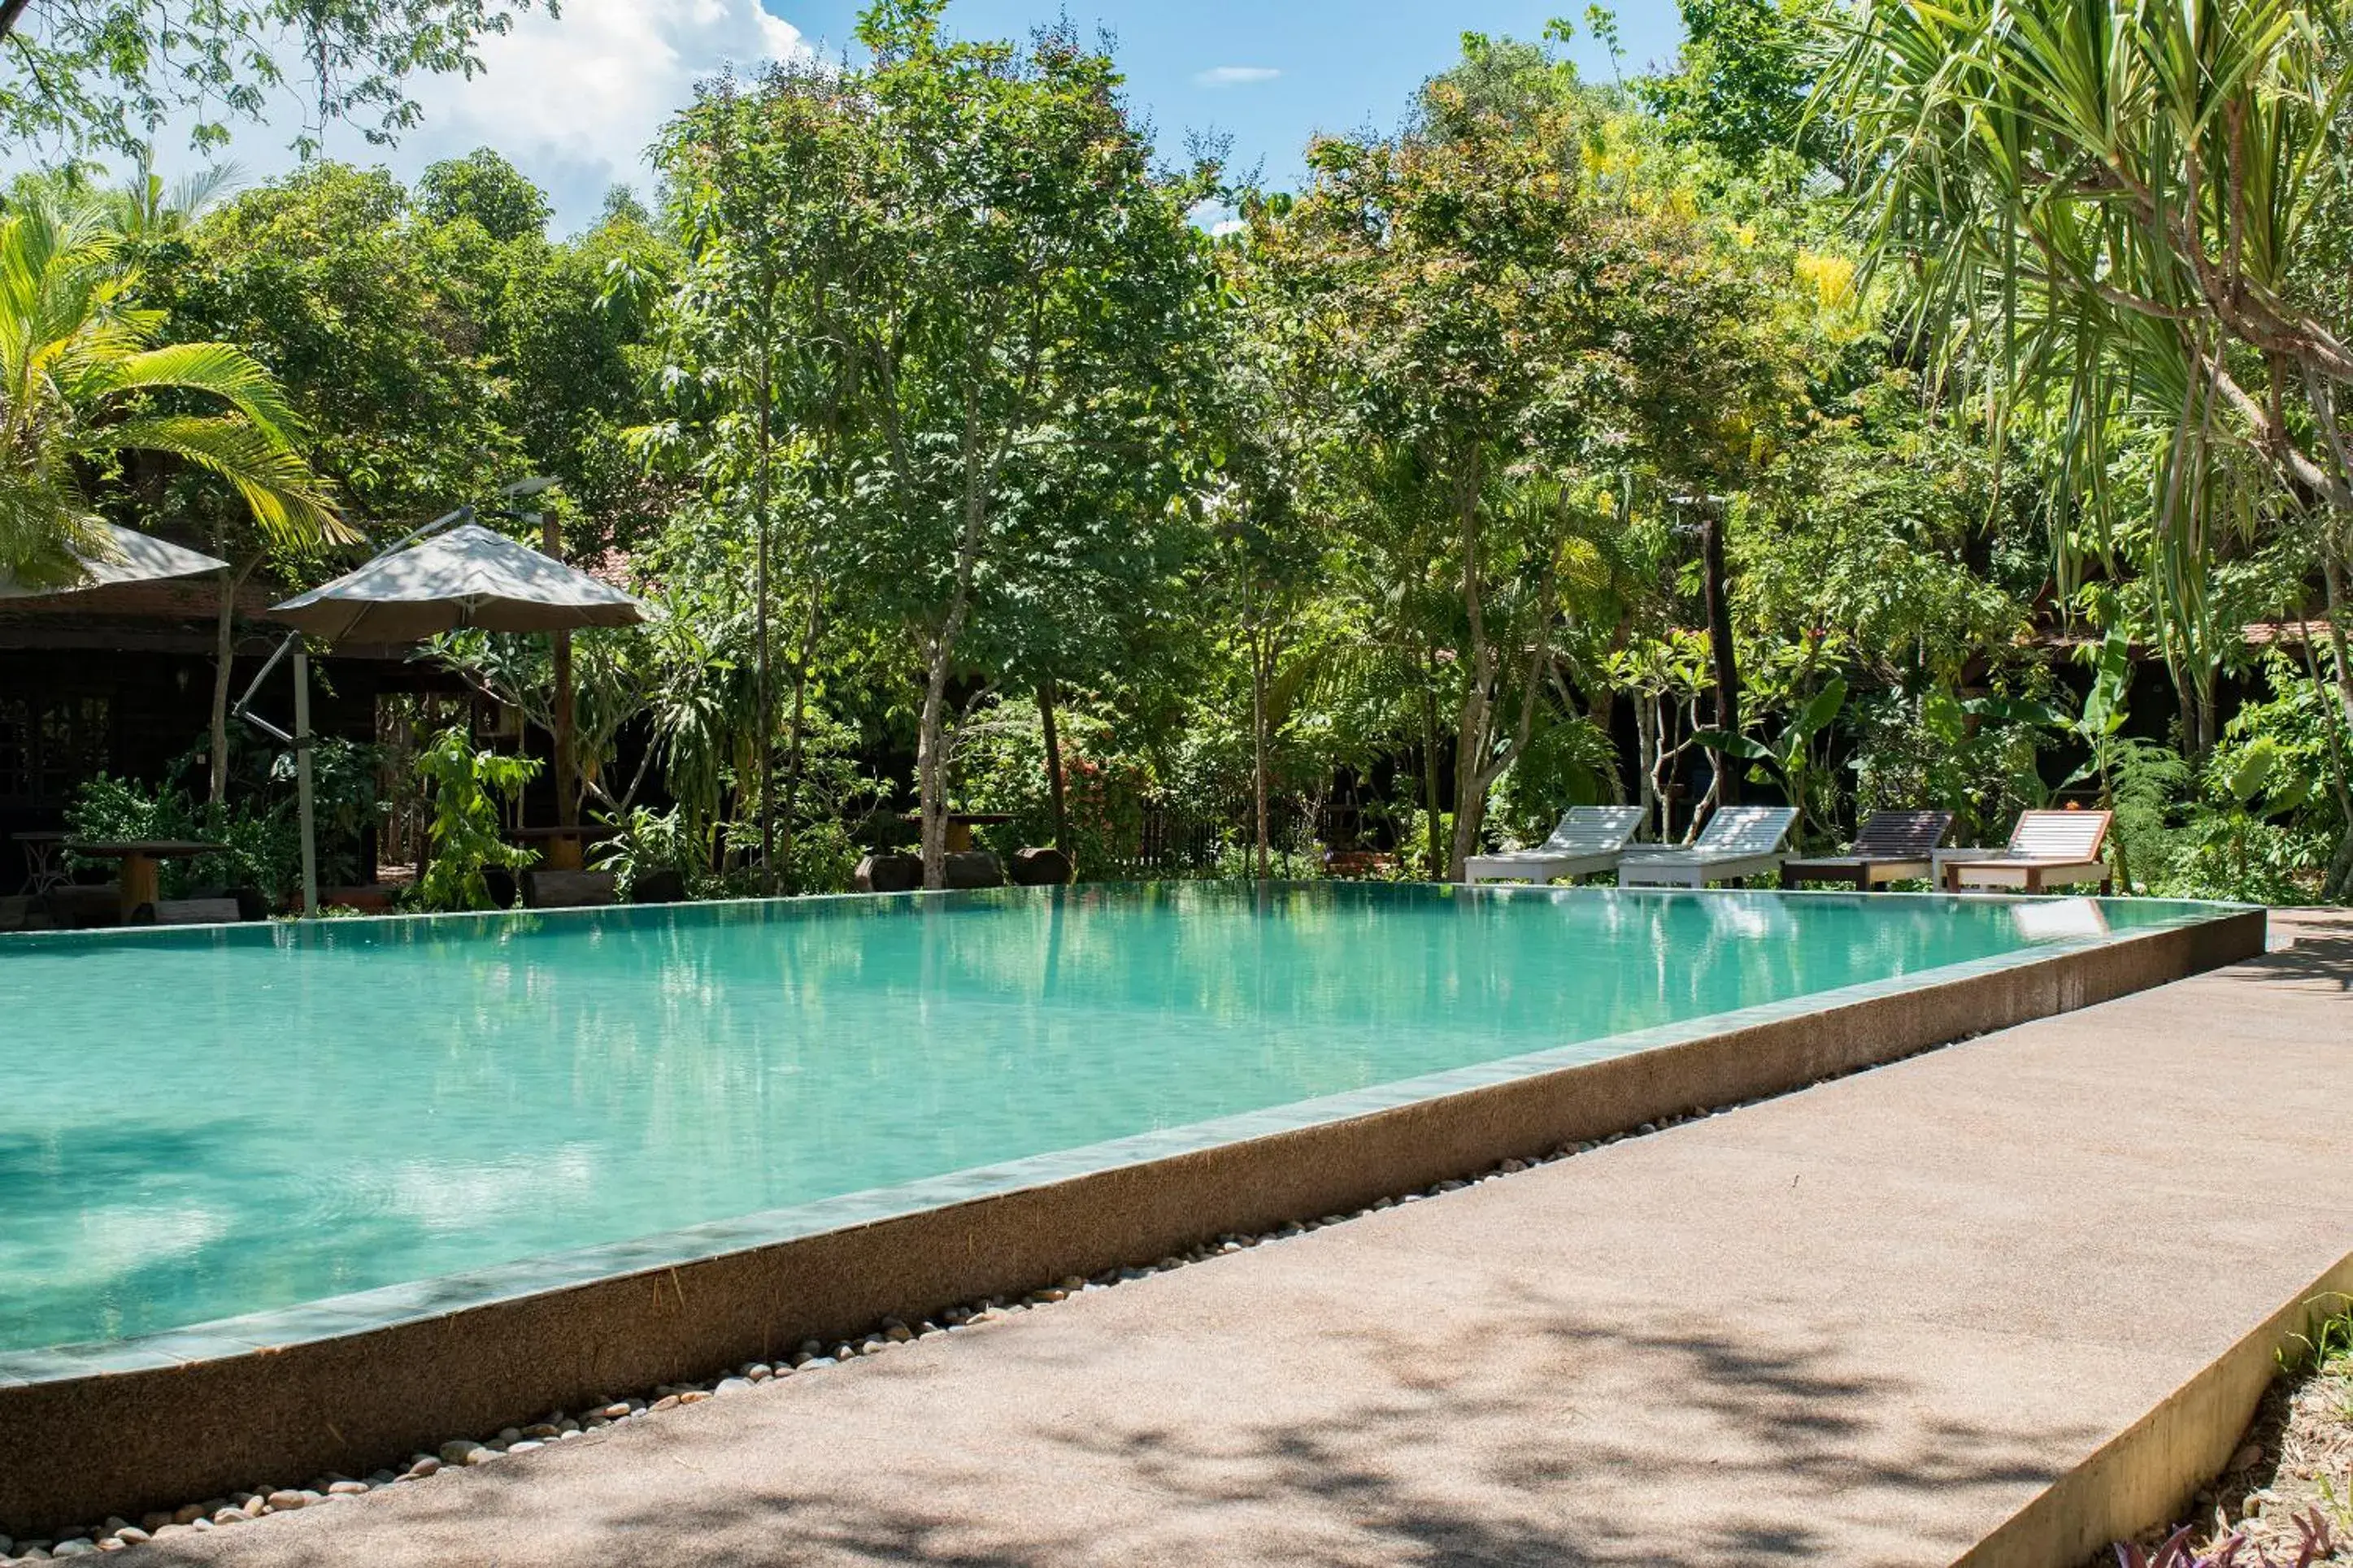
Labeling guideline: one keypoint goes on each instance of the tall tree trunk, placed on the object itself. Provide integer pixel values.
(1258, 755)
(1431, 814)
(930, 765)
(795, 749)
(931, 743)
(1056, 785)
(1472, 723)
(1720, 646)
(1473, 739)
(766, 703)
(1646, 745)
(224, 669)
(1496, 753)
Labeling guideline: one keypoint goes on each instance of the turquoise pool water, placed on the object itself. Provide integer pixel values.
(202, 1124)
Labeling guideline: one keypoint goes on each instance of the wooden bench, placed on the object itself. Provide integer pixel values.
(568, 889)
(198, 912)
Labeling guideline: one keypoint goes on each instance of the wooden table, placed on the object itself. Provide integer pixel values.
(141, 860)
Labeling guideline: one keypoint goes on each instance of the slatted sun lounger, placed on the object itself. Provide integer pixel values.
(1590, 838)
(1739, 842)
(2047, 849)
(1890, 847)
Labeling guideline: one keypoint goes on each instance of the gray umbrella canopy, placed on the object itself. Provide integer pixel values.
(468, 577)
(130, 556)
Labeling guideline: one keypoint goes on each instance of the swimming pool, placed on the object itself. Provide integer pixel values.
(199, 1125)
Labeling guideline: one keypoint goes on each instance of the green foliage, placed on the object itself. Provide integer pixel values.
(468, 786)
(923, 398)
(956, 276)
(1567, 763)
(486, 189)
(2256, 822)
(1789, 756)
(1743, 82)
(88, 385)
(646, 841)
(259, 845)
(106, 73)
(323, 276)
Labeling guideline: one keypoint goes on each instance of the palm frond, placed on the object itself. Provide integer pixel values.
(271, 478)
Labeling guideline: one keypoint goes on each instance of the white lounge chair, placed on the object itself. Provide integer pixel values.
(1739, 842)
(1591, 838)
(2047, 849)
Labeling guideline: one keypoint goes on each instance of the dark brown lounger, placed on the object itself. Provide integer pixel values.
(1890, 847)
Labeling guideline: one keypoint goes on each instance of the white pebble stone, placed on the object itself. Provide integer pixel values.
(733, 1385)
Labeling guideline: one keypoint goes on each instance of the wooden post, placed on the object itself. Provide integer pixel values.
(1054, 783)
(141, 883)
(563, 851)
(304, 809)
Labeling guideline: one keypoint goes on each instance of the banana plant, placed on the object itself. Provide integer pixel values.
(1790, 755)
(2099, 729)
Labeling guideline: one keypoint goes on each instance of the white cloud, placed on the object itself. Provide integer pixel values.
(1228, 225)
(573, 103)
(1235, 76)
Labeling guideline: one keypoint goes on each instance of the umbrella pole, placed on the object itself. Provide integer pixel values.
(302, 803)
(564, 851)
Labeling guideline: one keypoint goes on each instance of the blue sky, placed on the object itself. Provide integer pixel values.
(1338, 65)
(575, 102)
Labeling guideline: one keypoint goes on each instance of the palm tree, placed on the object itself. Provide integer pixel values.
(2128, 219)
(85, 385)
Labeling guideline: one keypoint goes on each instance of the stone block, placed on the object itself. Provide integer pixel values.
(1042, 868)
(888, 874)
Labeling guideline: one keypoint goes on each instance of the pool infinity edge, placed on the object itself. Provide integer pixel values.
(351, 1380)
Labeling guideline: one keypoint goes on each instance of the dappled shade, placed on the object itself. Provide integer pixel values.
(130, 557)
(468, 577)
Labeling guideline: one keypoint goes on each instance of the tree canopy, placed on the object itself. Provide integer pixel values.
(1880, 404)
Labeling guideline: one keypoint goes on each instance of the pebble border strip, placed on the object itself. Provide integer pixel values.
(119, 1534)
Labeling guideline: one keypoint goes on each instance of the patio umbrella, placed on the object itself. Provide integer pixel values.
(129, 556)
(468, 577)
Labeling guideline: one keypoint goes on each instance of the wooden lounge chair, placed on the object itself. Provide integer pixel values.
(1890, 847)
(2047, 849)
(1590, 838)
(1739, 842)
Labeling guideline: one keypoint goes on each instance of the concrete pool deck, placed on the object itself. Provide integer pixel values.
(1868, 1322)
